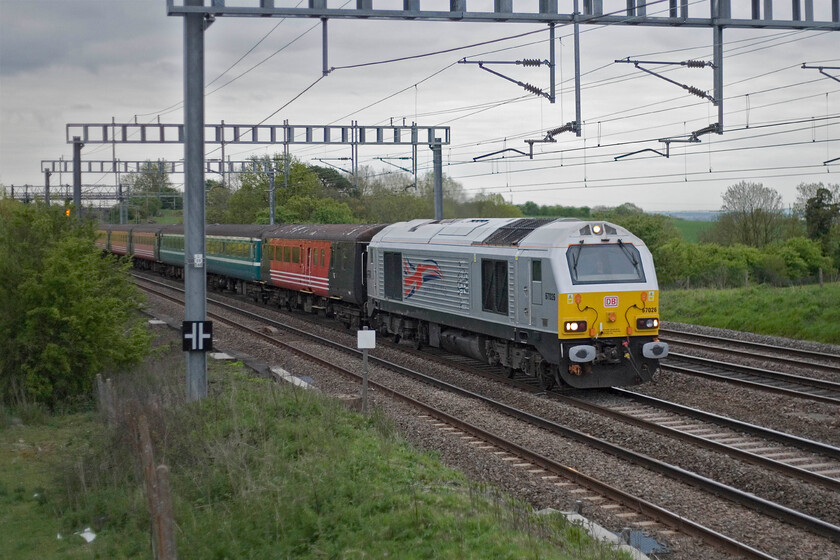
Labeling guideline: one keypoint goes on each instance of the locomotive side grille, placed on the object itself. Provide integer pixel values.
(512, 233)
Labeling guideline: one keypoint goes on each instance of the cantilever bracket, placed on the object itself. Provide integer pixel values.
(823, 69)
(831, 161)
(688, 63)
(385, 160)
(325, 160)
(527, 62)
(690, 139)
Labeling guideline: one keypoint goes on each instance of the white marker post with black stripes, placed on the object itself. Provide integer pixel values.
(366, 340)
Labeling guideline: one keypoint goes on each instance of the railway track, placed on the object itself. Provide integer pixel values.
(549, 470)
(757, 378)
(782, 355)
(799, 458)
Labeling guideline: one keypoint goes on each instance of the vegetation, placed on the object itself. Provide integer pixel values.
(66, 313)
(692, 230)
(800, 312)
(258, 471)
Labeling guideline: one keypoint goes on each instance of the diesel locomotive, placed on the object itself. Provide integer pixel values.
(566, 301)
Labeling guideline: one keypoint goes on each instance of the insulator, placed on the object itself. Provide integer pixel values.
(697, 91)
(696, 63)
(533, 89)
(530, 62)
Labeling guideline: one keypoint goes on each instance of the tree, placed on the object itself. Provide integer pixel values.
(150, 192)
(821, 211)
(533, 210)
(485, 205)
(66, 312)
(806, 191)
(334, 182)
(250, 200)
(216, 201)
(751, 214)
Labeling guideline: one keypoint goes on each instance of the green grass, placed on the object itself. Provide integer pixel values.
(691, 230)
(801, 312)
(169, 217)
(257, 471)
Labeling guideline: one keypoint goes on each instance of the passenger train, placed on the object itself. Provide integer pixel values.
(568, 302)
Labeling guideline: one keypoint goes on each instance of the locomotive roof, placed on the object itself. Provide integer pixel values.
(505, 232)
(325, 232)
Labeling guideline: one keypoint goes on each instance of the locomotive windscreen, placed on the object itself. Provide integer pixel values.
(605, 264)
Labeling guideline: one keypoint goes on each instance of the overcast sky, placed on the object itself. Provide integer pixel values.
(88, 61)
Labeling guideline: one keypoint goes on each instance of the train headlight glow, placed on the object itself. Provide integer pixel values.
(574, 326)
(650, 323)
(597, 229)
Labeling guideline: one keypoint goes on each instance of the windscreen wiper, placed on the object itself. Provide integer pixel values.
(629, 254)
(575, 259)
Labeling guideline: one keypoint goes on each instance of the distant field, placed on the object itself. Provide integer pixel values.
(805, 313)
(691, 230)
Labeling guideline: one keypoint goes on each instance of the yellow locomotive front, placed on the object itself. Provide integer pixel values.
(608, 310)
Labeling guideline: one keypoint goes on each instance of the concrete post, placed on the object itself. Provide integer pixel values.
(195, 277)
(47, 174)
(438, 165)
(77, 175)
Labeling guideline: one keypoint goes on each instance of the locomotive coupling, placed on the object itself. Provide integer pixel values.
(655, 350)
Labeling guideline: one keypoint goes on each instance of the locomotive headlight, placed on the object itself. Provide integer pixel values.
(597, 229)
(650, 323)
(574, 326)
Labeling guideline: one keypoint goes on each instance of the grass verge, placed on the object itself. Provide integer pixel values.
(800, 312)
(257, 471)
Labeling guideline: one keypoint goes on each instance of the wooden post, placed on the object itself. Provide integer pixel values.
(100, 396)
(158, 496)
(165, 516)
(821, 278)
(110, 402)
(150, 476)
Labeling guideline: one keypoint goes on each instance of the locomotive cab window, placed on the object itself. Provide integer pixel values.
(494, 286)
(536, 271)
(392, 270)
(605, 264)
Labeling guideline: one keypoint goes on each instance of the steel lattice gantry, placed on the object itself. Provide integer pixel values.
(597, 12)
(157, 133)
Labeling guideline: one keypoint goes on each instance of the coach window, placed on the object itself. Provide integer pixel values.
(494, 286)
(392, 268)
(296, 255)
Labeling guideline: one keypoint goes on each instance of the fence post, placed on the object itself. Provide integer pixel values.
(165, 517)
(821, 278)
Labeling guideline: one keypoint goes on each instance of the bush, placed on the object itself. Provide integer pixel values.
(67, 311)
(683, 264)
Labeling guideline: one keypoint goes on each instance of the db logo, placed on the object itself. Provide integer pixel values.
(610, 301)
